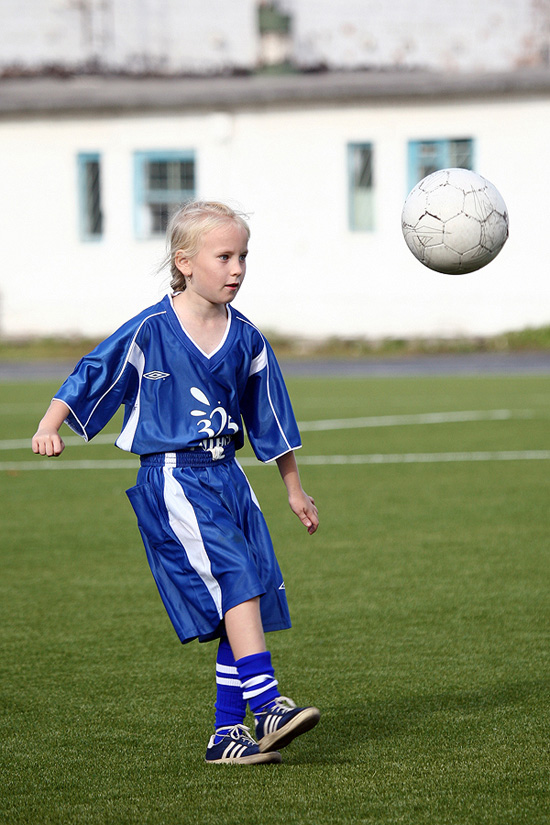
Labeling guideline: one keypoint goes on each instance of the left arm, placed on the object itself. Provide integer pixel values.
(300, 503)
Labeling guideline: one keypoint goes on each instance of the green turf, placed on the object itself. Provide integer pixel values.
(421, 630)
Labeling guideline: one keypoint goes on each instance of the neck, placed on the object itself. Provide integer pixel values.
(191, 306)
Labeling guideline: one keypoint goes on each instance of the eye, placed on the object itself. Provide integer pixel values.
(223, 257)
(243, 256)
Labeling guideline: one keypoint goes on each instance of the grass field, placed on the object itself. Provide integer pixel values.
(421, 622)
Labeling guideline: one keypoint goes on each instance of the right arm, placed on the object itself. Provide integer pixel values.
(46, 440)
(92, 393)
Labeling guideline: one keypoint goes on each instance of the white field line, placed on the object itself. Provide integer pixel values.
(319, 460)
(428, 458)
(323, 460)
(422, 418)
(42, 463)
(333, 424)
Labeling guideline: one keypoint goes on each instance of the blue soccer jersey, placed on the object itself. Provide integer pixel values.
(176, 396)
(205, 536)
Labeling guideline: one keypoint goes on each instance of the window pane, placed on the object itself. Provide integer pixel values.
(91, 215)
(427, 156)
(163, 183)
(184, 172)
(428, 159)
(160, 214)
(93, 198)
(361, 195)
(460, 154)
(363, 167)
(174, 176)
(157, 175)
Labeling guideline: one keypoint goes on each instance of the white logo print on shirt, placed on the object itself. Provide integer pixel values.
(209, 426)
(155, 375)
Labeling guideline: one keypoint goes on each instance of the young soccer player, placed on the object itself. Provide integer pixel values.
(189, 371)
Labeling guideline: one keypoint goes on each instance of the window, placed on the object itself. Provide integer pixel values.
(163, 181)
(361, 187)
(427, 156)
(89, 184)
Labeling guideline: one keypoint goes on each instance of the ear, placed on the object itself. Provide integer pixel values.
(182, 262)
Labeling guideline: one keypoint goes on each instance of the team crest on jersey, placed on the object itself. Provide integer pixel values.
(215, 420)
(155, 375)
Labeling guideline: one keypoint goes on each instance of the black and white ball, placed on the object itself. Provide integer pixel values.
(455, 221)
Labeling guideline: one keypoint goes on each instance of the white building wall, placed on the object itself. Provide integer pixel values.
(308, 274)
(327, 280)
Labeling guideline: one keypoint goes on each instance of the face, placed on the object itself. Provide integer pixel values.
(216, 272)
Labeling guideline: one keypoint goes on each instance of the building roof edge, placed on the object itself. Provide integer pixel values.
(107, 93)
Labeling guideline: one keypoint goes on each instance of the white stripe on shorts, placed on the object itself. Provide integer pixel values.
(183, 522)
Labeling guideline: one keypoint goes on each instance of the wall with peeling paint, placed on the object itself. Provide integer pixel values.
(205, 36)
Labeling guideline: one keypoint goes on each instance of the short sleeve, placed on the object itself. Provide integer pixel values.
(101, 381)
(266, 409)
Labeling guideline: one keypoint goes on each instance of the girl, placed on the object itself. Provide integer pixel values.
(189, 371)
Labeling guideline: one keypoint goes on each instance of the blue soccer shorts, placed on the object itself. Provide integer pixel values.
(208, 546)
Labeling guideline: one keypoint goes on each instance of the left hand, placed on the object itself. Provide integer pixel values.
(304, 507)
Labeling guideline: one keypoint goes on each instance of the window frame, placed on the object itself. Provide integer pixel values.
(355, 224)
(142, 199)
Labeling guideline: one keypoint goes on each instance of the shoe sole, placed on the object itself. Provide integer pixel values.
(301, 723)
(256, 759)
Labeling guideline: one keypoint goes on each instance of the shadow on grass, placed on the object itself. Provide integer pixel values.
(346, 728)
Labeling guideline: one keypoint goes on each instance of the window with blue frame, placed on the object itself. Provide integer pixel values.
(360, 187)
(163, 180)
(427, 156)
(89, 186)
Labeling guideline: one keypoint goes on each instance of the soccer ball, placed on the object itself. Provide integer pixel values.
(455, 221)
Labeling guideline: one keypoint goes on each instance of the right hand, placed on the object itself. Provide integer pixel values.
(47, 442)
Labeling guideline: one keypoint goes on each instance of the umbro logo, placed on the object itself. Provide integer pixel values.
(282, 586)
(155, 375)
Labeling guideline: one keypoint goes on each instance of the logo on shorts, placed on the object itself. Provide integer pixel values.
(156, 374)
(282, 586)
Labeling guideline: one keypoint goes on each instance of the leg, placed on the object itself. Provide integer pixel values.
(243, 625)
(231, 741)
(278, 720)
(230, 705)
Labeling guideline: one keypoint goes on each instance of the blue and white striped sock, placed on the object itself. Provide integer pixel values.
(230, 705)
(258, 680)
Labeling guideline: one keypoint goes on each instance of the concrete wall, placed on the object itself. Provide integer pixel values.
(214, 35)
(131, 35)
(468, 36)
(287, 166)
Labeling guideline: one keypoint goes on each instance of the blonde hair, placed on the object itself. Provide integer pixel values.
(188, 225)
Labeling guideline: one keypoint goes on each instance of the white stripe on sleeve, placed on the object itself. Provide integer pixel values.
(126, 437)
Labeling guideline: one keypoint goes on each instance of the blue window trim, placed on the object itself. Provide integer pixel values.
(442, 158)
(82, 159)
(140, 190)
(351, 147)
